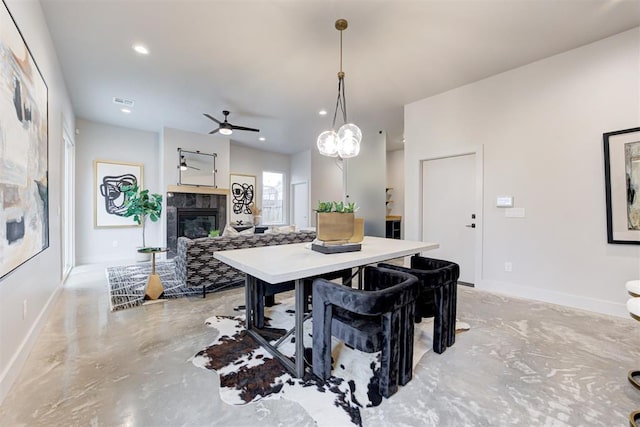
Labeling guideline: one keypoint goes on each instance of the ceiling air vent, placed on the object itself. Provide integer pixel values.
(123, 102)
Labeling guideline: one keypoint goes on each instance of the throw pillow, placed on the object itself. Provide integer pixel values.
(251, 230)
(229, 231)
(282, 229)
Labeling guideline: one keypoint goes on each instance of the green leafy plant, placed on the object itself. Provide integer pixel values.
(214, 233)
(339, 207)
(350, 208)
(141, 205)
(324, 206)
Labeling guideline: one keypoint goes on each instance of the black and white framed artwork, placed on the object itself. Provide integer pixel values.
(109, 199)
(622, 184)
(242, 197)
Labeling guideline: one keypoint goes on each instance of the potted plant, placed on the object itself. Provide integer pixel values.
(255, 211)
(335, 221)
(141, 205)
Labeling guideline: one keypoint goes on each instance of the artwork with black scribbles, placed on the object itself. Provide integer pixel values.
(111, 190)
(242, 197)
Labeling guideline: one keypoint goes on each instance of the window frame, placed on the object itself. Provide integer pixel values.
(284, 213)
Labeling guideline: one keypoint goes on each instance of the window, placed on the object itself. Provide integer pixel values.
(272, 198)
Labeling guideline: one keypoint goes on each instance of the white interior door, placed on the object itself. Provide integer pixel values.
(301, 204)
(448, 216)
(68, 206)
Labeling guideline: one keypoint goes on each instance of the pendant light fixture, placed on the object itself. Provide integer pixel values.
(345, 142)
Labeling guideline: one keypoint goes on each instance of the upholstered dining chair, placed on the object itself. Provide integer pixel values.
(265, 292)
(633, 305)
(377, 318)
(437, 298)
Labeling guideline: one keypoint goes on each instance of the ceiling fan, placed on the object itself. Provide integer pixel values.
(184, 166)
(225, 127)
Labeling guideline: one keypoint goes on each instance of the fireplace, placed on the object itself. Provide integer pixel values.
(194, 223)
(198, 213)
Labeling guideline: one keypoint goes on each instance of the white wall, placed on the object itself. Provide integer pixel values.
(249, 161)
(366, 182)
(395, 180)
(300, 167)
(36, 282)
(541, 126)
(99, 141)
(326, 181)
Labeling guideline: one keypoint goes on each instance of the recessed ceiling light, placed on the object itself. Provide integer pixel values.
(322, 112)
(141, 49)
(125, 110)
(262, 138)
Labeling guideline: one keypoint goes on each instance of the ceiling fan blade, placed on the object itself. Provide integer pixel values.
(214, 131)
(244, 128)
(212, 118)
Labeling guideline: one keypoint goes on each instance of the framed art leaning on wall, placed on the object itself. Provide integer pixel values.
(24, 150)
(622, 184)
(242, 192)
(109, 199)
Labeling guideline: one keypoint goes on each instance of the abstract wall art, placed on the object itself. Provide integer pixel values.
(242, 191)
(622, 181)
(24, 139)
(109, 199)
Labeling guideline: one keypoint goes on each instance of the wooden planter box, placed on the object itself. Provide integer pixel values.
(334, 226)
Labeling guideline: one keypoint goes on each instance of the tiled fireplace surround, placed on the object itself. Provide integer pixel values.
(176, 201)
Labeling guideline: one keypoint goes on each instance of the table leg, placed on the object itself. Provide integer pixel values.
(250, 287)
(300, 303)
(250, 283)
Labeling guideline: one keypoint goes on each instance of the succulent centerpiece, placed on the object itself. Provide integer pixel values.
(335, 221)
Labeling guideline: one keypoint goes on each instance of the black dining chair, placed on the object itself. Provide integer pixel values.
(377, 318)
(437, 298)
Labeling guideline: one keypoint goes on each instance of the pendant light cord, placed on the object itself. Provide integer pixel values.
(341, 101)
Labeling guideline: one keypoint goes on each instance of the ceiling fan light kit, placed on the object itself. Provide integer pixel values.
(346, 142)
(226, 128)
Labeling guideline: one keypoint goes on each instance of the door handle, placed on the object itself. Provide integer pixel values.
(470, 225)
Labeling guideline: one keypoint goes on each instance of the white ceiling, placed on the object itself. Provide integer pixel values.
(273, 64)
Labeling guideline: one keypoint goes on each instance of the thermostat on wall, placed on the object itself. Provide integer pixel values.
(504, 201)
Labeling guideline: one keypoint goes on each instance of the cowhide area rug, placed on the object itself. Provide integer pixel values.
(249, 373)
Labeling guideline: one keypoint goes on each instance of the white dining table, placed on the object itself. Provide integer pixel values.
(283, 263)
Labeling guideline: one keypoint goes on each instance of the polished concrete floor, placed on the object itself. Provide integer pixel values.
(522, 363)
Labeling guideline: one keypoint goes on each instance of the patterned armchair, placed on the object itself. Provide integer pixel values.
(196, 266)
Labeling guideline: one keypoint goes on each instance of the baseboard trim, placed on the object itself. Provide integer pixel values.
(12, 371)
(575, 301)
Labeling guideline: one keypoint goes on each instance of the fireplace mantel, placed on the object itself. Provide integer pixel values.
(195, 189)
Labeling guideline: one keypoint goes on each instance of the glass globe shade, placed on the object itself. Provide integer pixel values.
(349, 137)
(328, 143)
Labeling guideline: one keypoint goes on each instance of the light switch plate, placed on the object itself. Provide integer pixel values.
(514, 213)
(504, 201)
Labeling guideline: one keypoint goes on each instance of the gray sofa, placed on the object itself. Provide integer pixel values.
(196, 266)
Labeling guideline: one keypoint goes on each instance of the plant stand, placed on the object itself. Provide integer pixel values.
(154, 288)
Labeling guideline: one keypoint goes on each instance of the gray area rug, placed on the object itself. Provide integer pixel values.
(127, 282)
